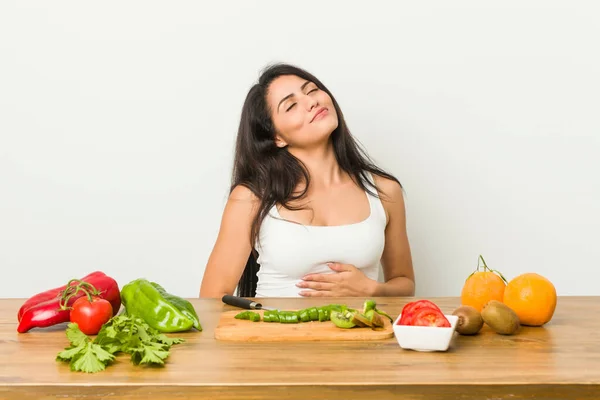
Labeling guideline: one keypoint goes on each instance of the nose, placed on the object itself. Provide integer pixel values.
(311, 102)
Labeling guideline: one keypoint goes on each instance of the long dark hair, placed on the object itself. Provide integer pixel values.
(271, 172)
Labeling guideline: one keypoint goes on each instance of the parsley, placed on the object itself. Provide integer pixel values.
(125, 334)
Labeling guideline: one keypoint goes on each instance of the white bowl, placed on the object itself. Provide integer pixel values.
(425, 338)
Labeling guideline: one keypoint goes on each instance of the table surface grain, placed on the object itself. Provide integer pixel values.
(559, 360)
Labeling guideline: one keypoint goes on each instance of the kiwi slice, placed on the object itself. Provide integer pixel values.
(342, 319)
(361, 320)
(469, 322)
(369, 305)
(375, 319)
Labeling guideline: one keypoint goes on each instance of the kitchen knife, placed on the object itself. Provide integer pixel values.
(243, 303)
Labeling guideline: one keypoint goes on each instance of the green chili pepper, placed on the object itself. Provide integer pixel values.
(141, 298)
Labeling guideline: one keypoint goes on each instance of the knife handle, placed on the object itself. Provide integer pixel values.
(241, 302)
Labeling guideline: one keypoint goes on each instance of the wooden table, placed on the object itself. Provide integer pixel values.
(558, 361)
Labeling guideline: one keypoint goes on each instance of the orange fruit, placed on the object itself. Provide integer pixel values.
(532, 297)
(482, 286)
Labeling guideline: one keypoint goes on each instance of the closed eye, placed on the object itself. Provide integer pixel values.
(312, 90)
(290, 107)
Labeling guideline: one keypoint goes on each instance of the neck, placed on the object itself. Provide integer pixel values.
(322, 166)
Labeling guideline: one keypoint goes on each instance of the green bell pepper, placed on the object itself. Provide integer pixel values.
(183, 305)
(162, 311)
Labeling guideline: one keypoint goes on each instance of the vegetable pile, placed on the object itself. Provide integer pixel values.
(92, 304)
(124, 334)
(340, 314)
(54, 306)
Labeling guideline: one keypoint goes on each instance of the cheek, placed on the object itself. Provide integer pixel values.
(290, 124)
(324, 98)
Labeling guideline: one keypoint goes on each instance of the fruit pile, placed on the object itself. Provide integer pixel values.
(487, 297)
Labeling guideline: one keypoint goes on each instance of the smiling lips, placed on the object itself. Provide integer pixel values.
(321, 113)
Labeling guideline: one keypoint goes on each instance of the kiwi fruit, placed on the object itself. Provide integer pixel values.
(375, 319)
(469, 322)
(342, 319)
(500, 317)
(360, 320)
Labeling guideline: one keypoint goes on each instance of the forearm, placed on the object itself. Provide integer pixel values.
(400, 286)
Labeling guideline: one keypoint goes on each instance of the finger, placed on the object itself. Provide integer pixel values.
(315, 293)
(315, 285)
(338, 267)
(320, 277)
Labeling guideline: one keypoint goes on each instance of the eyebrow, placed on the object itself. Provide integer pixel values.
(292, 94)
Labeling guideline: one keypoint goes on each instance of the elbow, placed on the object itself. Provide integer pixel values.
(213, 291)
(411, 287)
(207, 293)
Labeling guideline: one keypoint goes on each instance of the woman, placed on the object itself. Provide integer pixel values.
(308, 214)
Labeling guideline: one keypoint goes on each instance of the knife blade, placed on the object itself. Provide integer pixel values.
(243, 303)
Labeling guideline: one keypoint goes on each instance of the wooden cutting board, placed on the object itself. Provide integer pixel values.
(231, 329)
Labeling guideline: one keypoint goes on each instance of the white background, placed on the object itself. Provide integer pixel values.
(117, 124)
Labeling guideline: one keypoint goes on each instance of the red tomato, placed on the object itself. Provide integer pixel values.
(430, 317)
(410, 309)
(91, 316)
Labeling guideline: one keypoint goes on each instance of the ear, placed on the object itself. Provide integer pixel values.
(280, 142)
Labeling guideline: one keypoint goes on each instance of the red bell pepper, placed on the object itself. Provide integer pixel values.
(53, 306)
(50, 294)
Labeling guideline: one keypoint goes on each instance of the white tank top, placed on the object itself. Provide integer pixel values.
(289, 250)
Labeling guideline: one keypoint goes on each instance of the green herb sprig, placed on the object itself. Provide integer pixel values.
(121, 334)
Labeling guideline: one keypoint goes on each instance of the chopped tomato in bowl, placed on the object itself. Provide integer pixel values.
(422, 326)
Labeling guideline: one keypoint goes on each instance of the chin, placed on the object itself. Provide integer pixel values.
(330, 124)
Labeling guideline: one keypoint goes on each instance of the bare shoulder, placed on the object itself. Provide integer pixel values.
(392, 197)
(242, 204)
(389, 190)
(243, 193)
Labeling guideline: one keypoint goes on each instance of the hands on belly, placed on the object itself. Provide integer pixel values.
(346, 281)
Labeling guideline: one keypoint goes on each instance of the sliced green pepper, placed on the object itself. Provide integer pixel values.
(266, 317)
(288, 317)
(249, 315)
(243, 315)
(254, 317)
(304, 315)
(323, 314)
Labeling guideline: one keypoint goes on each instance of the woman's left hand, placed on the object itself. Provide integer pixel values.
(349, 281)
